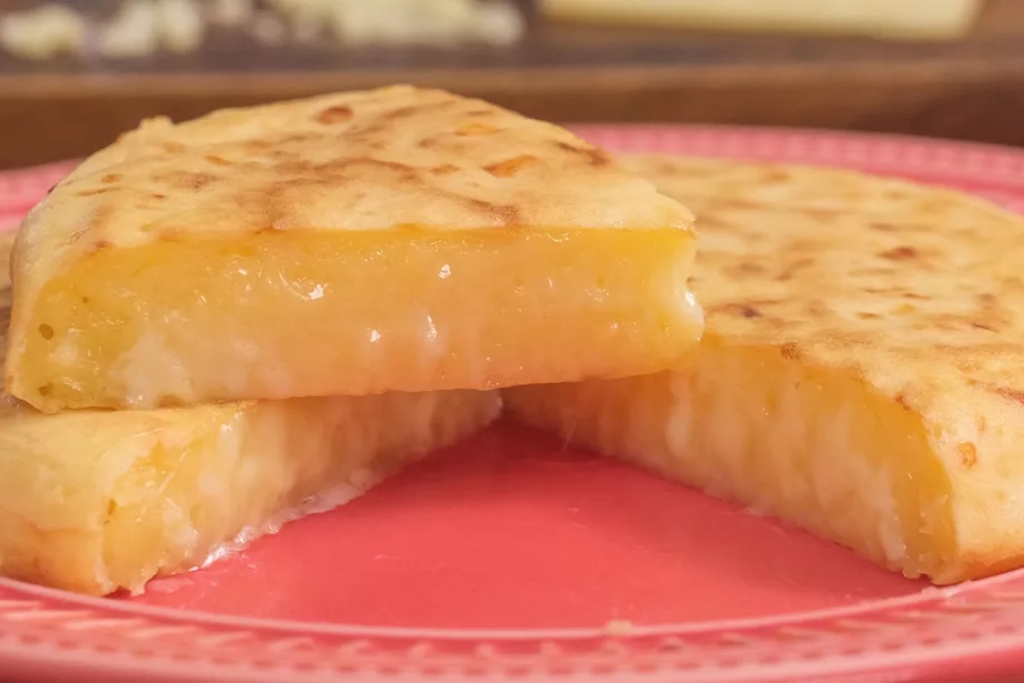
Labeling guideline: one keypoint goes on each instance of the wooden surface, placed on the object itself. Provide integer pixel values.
(971, 90)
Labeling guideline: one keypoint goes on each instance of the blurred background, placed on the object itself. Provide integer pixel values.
(75, 73)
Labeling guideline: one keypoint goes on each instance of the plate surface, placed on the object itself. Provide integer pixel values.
(514, 556)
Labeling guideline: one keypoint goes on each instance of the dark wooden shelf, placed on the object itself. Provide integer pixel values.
(972, 89)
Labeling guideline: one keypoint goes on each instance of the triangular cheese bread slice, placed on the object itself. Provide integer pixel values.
(94, 501)
(862, 373)
(396, 239)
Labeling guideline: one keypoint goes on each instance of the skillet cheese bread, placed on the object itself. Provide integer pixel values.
(862, 370)
(356, 243)
(95, 501)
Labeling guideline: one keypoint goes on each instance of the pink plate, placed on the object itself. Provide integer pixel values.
(512, 556)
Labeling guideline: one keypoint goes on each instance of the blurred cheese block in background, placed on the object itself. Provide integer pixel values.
(140, 28)
(43, 32)
(903, 19)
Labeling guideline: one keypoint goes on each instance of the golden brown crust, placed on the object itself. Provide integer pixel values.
(916, 291)
(397, 156)
(914, 285)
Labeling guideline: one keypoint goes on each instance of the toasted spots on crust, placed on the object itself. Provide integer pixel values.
(507, 214)
(793, 269)
(338, 113)
(444, 169)
(743, 310)
(816, 308)
(968, 454)
(789, 351)
(733, 202)
(177, 181)
(400, 113)
(1010, 393)
(111, 178)
(217, 160)
(985, 300)
(475, 128)
(95, 191)
(257, 145)
(749, 312)
(746, 269)
(595, 156)
(197, 181)
(776, 174)
(510, 167)
(297, 138)
(901, 253)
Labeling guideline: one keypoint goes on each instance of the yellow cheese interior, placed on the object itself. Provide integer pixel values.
(814, 447)
(94, 501)
(283, 314)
